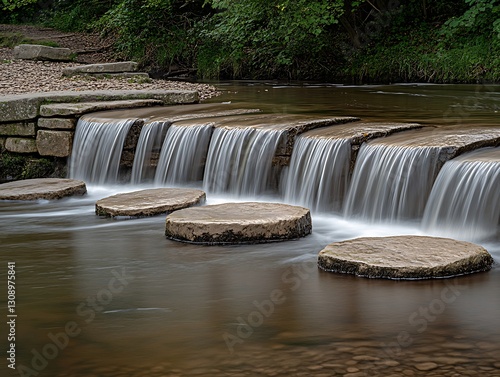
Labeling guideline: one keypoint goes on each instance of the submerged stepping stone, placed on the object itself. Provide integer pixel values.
(148, 202)
(41, 188)
(236, 223)
(404, 257)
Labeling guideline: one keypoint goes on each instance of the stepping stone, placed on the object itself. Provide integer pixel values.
(148, 202)
(118, 67)
(41, 188)
(40, 52)
(237, 223)
(404, 257)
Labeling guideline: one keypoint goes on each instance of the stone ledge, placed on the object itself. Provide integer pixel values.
(26, 106)
(54, 143)
(404, 257)
(20, 145)
(41, 52)
(17, 129)
(69, 109)
(57, 123)
(41, 188)
(117, 67)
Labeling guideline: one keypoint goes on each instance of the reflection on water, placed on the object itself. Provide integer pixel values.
(141, 305)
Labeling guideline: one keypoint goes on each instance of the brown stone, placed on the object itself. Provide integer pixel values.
(148, 202)
(17, 129)
(41, 52)
(57, 123)
(54, 143)
(41, 188)
(404, 257)
(116, 67)
(235, 223)
(70, 109)
(20, 145)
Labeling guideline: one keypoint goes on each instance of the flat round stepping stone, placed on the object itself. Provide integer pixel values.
(236, 223)
(41, 188)
(148, 202)
(404, 257)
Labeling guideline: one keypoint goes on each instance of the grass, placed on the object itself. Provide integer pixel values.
(10, 40)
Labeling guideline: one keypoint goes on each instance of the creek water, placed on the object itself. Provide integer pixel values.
(137, 304)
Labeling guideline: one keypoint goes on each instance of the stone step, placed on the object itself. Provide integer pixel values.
(149, 202)
(68, 109)
(238, 223)
(141, 76)
(40, 52)
(118, 67)
(404, 257)
(42, 188)
(22, 107)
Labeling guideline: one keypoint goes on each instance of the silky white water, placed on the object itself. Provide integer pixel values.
(318, 174)
(150, 139)
(97, 149)
(239, 161)
(465, 199)
(183, 154)
(391, 182)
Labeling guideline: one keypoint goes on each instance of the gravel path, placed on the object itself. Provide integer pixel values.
(22, 76)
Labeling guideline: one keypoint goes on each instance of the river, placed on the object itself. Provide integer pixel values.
(106, 297)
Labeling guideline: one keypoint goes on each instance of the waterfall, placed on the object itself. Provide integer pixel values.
(318, 174)
(239, 160)
(465, 200)
(391, 182)
(97, 148)
(150, 139)
(183, 154)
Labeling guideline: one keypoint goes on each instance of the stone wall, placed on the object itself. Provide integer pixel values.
(41, 126)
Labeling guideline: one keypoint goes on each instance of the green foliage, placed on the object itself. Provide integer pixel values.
(77, 15)
(262, 38)
(376, 40)
(11, 5)
(13, 167)
(154, 32)
(10, 40)
(482, 16)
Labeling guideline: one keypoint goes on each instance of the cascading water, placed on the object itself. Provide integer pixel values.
(318, 174)
(151, 137)
(465, 200)
(183, 154)
(239, 160)
(97, 148)
(391, 182)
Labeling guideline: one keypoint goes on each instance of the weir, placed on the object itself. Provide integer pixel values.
(465, 200)
(375, 172)
(391, 182)
(97, 149)
(318, 174)
(183, 154)
(239, 160)
(150, 141)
